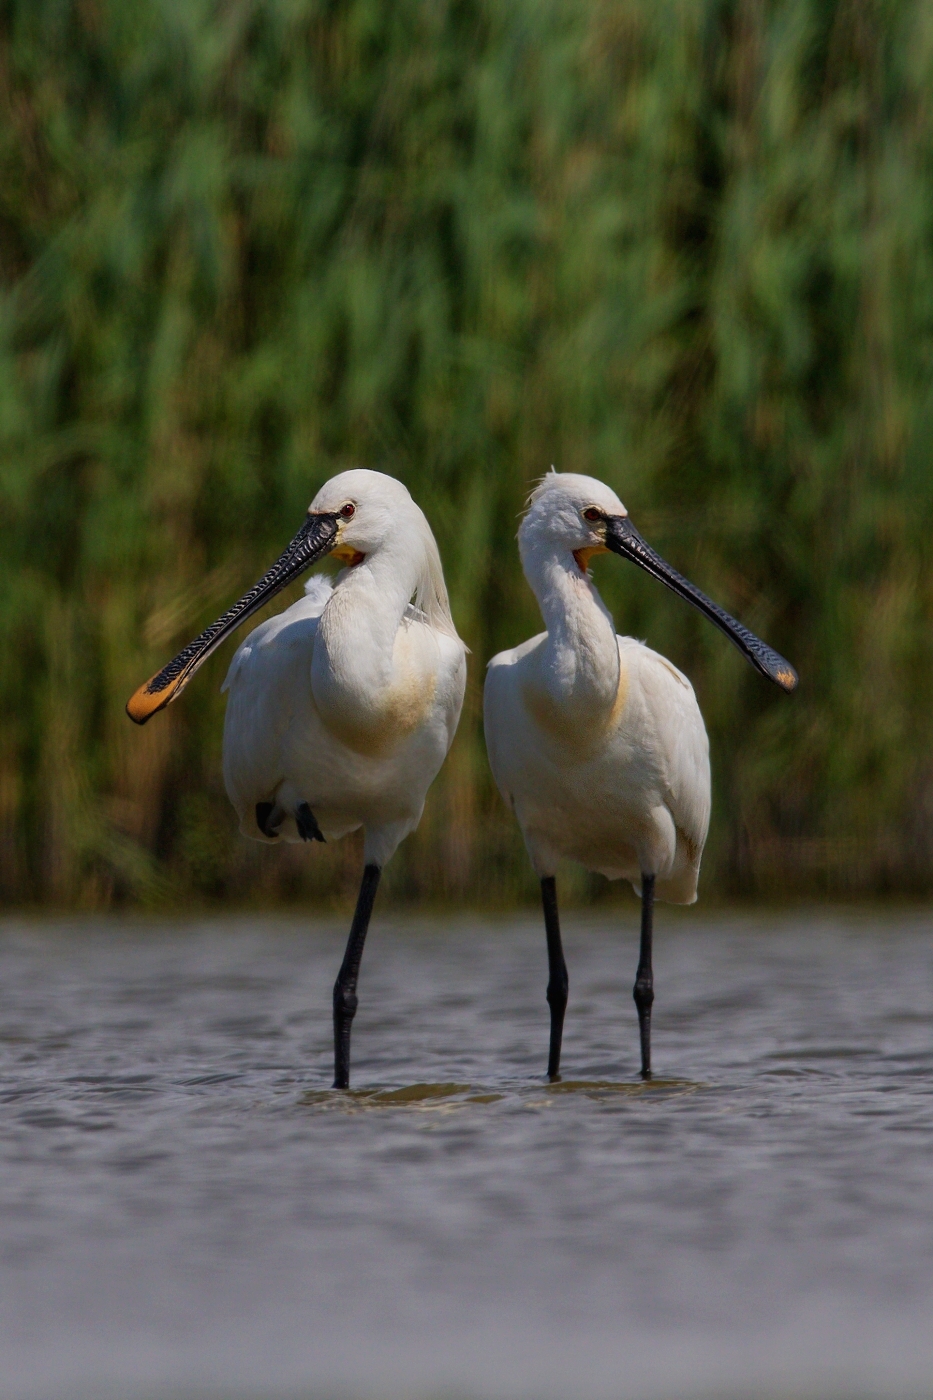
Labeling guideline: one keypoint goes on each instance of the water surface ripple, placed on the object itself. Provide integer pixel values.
(186, 1208)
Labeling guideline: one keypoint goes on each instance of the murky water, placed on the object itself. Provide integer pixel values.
(187, 1209)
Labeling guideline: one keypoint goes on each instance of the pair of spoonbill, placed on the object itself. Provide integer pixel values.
(342, 709)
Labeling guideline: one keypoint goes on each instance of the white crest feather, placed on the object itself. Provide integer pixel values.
(430, 596)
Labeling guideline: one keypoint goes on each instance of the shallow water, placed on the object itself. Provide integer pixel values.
(187, 1209)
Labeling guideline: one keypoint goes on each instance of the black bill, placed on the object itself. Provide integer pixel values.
(317, 537)
(622, 538)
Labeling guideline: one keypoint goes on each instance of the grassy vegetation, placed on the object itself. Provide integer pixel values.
(686, 247)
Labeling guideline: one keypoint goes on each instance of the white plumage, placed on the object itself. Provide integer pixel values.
(289, 737)
(596, 742)
(625, 792)
(342, 708)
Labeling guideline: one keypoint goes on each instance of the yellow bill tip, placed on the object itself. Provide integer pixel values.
(144, 702)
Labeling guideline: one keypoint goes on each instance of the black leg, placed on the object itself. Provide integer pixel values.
(558, 982)
(345, 998)
(306, 822)
(643, 991)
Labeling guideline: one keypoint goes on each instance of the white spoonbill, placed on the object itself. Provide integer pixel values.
(341, 709)
(595, 741)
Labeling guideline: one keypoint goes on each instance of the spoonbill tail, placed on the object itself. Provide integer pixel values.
(341, 709)
(596, 742)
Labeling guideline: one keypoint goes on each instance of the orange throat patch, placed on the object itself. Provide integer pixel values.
(348, 556)
(583, 556)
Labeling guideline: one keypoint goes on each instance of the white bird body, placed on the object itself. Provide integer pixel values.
(595, 740)
(343, 707)
(622, 786)
(349, 701)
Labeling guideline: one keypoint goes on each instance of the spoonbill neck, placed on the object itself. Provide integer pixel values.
(354, 671)
(579, 663)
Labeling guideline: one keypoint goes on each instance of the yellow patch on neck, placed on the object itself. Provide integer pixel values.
(404, 708)
(583, 556)
(577, 734)
(347, 555)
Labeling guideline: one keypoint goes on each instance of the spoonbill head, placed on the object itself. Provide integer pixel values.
(596, 741)
(342, 708)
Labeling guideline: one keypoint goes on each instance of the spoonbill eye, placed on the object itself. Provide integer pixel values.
(348, 511)
(592, 514)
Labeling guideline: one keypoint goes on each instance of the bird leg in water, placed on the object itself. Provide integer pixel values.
(558, 982)
(643, 991)
(345, 998)
(306, 822)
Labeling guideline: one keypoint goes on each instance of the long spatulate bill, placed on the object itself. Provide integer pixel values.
(316, 538)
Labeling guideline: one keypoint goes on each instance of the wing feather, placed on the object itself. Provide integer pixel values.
(680, 741)
(269, 675)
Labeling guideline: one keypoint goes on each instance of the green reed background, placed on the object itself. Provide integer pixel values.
(686, 247)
